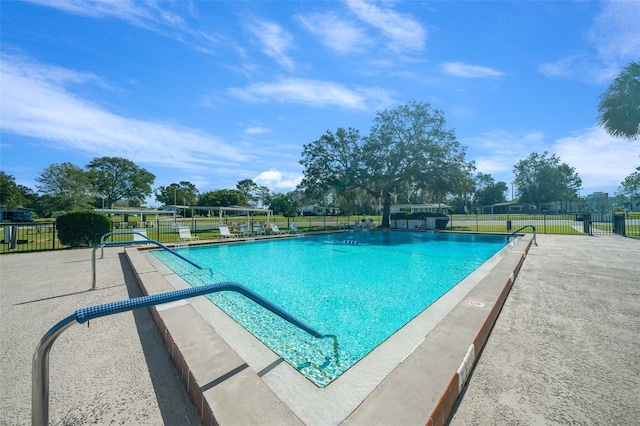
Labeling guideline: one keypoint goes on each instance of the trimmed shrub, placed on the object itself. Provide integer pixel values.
(82, 228)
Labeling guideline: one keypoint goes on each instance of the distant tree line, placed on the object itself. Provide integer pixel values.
(112, 182)
(109, 182)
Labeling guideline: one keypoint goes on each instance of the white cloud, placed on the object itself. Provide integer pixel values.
(256, 130)
(403, 32)
(616, 31)
(147, 15)
(275, 42)
(335, 32)
(36, 104)
(278, 181)
(313, 93)
(502, 141)
(497, 151)
(561, 68)
(602, 162)
(460, 69)
(139, 14)
(579, 67)
(614, 39)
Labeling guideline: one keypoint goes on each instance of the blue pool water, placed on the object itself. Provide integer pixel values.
(361, 287)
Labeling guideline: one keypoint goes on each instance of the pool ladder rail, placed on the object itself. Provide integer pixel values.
(524, 227)
(141, 239)
(40, 364)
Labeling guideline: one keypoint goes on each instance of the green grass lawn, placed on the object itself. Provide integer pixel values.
(548, 229)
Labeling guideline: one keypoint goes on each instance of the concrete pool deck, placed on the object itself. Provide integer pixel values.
(121, 371)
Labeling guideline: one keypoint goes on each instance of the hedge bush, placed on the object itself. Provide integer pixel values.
(82, 228)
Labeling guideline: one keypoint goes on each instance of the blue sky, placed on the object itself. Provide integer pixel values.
(216, 92)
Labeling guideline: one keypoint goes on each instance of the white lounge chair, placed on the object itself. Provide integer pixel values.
(224, 232)
(294, 228)
(244, 230)
(185, 234)
(258, 229)
(275, 230)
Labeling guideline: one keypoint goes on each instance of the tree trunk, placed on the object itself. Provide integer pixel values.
(386, 210)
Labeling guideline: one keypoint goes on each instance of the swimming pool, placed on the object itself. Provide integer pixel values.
(360, 287)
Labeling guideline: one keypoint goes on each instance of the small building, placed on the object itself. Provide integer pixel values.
(420, 208)
(319, 211)
(513, 207)
(598, 202)
(509, 207)
(7, 214)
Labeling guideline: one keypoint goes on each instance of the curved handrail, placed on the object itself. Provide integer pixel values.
(524, 227)
(40, 364)
(108, 234)
(124, 243)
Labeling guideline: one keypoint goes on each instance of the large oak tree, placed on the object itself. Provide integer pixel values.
(488, 191)
(544, 179)
(66, 185)
(222, 198)
(184, 193)
(409, 149)
(14, 195)
(115, 179)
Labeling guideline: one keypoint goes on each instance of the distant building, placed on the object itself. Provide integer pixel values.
(598, 202)
(509, 207)
(7, 214)
(528, 208)
(420, 208)
(319, 211)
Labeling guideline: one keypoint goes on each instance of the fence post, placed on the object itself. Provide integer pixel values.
(53, 236)
(619, 224)
(586, 223)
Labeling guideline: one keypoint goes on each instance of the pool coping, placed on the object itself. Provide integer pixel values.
(422, 389)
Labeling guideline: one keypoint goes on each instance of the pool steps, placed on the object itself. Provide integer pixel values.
(215, 376)
(299, 359)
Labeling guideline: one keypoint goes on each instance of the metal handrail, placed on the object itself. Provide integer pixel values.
(526, 226)
(108, 234)
(124, 243)
(40, 364)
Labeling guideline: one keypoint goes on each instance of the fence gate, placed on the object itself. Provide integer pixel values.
(619, 224)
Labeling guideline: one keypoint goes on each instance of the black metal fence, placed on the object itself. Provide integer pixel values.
(40, 236)
(627, 224)
(34, 236)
